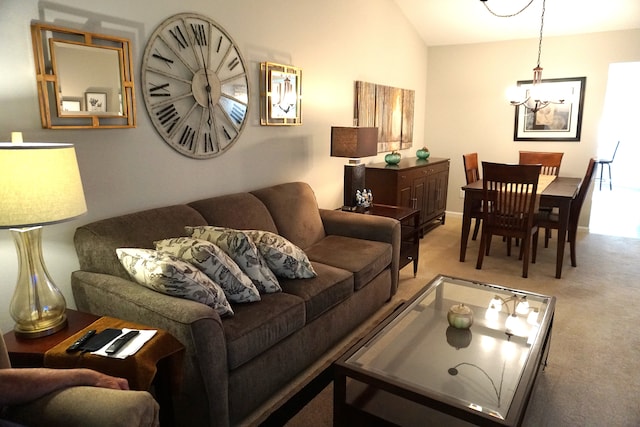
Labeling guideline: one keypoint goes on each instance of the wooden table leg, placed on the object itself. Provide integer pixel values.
(466, 224)
(563, 217)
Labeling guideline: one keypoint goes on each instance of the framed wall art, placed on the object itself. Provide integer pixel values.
(96, 102)
(555, 122)
(390, 109)
(280, 95)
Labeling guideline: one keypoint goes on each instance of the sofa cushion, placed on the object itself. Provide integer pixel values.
(364, 258)
(295, 212)
(259, 326)
(96, 243)
(243, 251)
(331, 286)
(242, 211)
(283, 257)
(216, 264)
(169, 275)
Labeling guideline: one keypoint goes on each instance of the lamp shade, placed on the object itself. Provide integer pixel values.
(40, 184)
(354, 142)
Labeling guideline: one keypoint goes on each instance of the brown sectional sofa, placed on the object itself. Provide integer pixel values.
(233, 364)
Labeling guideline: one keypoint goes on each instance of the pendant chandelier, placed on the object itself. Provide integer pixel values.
(537, 96)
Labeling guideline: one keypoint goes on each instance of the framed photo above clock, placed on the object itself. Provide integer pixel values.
(195, 85)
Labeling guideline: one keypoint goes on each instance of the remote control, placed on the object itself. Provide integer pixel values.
(80, 341)
(117, 344)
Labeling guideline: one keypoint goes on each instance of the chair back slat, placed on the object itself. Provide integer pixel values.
(550, 162)
(511, 193)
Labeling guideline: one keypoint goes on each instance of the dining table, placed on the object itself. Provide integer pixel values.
(559, 193)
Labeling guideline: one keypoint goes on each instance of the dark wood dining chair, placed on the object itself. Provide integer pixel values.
(602, 162)
(550, 161)
(472, 174)
(550, 220)
(510, 194)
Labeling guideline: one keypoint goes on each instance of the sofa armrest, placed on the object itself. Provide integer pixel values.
(88, 406)
(203, 398)
(368, 227)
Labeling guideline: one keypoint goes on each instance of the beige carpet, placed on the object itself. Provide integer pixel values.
(593, 376)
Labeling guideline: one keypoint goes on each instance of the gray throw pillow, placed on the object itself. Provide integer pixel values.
(283, 257)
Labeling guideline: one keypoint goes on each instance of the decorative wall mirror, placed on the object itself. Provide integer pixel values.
(85, 80)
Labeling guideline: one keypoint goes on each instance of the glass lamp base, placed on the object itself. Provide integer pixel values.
(31, 333)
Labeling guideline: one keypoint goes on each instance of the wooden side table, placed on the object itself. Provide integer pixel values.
(163, 352)
(410, 241)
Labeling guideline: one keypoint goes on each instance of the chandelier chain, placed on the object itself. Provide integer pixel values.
(510, 15)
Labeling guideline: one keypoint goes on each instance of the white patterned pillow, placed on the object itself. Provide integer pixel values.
(166, 274)
(243, 251)
(216, 264)
(283, 257)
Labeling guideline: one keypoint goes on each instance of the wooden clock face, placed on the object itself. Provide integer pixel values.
(195, 85)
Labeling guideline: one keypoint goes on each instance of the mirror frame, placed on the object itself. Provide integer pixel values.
(43, 37)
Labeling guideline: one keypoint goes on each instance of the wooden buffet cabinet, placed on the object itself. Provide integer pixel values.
(414, 183)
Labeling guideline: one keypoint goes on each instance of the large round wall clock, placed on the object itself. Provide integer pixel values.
(195, 85)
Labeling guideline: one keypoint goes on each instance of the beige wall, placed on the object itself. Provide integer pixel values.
(467, 110)
(335, 42)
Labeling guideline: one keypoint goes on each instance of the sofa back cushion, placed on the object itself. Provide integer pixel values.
(242, 211)
(96, 243)
(294, 209)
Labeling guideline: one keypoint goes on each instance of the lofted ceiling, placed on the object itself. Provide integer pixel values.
(447, 22)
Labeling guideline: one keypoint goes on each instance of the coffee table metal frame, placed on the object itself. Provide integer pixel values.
(352, 379)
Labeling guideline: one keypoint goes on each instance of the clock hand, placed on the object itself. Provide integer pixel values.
(208, 89)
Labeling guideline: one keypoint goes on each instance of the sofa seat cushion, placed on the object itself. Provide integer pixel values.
(258, 326)
(331, 286)
(364, 258)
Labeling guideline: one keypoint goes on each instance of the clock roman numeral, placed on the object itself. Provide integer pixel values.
(234, 62)
(199, 34)
(226, 133)
(168, 117)
(159, 90)
(219, 44)
(166, 60)
(180, 38)
(208, 143)
(186, 139)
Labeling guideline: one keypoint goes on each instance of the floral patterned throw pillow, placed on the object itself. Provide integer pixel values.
(216, 264)
(283, 257)
(167, 274)
(243, 251)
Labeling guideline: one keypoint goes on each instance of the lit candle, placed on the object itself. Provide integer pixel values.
(16, 136)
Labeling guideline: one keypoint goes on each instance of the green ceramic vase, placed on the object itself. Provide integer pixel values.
(393, 158)
(423, 153)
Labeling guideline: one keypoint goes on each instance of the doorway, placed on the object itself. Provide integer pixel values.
(614, 206)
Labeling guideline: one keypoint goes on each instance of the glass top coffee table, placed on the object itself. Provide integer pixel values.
(416, 369)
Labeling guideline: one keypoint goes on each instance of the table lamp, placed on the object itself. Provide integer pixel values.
(41, 185)
(354, 143)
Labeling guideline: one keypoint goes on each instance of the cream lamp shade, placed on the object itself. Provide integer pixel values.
(41, 185)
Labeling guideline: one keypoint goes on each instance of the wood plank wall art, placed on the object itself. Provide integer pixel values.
(389, 109)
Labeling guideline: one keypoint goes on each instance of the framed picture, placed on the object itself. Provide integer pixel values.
(71, 104)
(390, 109)
(96, 101)
(555, 122)
(281, 95)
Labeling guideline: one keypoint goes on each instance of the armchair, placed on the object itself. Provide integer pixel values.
(82, 406)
